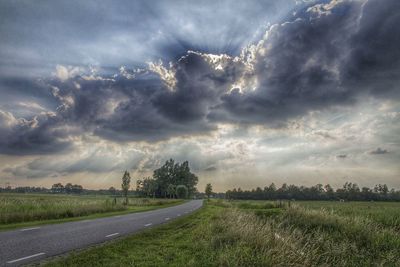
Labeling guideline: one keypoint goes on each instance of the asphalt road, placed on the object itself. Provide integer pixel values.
(32, 244)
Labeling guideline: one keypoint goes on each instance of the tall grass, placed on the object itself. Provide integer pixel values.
(385, 213)
(237, 233)
(299, 236)
(16, 208)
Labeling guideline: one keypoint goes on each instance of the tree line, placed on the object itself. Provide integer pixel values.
(57, 188)
(349, 191)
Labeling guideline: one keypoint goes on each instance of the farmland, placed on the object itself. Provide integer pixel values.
(31, 209)
(261, 233)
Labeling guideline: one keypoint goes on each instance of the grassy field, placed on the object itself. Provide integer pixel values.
(32, 209)
(259, 233)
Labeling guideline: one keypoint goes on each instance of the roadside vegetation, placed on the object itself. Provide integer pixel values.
(41, 208)
(260, 233)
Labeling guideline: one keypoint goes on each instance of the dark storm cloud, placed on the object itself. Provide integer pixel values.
(323, 58)
(327, 55)
(374, 57)
(198, 87)
(41, 135)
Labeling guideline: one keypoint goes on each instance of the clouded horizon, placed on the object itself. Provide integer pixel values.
(250, 93)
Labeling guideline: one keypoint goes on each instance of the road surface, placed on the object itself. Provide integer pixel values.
(32, 244)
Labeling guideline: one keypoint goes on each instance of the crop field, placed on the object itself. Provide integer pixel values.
(261, 233)
(22, 208)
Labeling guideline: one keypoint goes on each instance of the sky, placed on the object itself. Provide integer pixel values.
(249, 92)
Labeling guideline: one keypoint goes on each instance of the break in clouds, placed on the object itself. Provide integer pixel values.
(318, 90)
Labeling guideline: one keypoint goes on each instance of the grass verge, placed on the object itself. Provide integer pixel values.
(237, 234)
(26, 210)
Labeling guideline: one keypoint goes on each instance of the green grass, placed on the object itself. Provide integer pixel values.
(256, 233)
(385, 213)
(23, 210)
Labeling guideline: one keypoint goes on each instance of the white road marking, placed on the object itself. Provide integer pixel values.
(110, 235)
(146, 225)
(28, 229)
(186, 212)
(117, 216)
(27, 257)
(167, 219)
(179, 215)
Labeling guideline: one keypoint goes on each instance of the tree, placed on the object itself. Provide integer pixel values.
(208, 190)
(164, 176)
(182, 191)
(76, 189)
(146, 187)
(68, 188)
(57, 188)
(171, 190)
(152, 187)
(329, 191)
(172, 173)
(126, 183)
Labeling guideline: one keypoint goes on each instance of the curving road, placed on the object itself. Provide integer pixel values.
(28, 245)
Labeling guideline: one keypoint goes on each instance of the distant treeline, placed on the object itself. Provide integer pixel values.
(59, 188)
(349, 191)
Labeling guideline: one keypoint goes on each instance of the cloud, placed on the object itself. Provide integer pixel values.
(319, 59)
(379, 151)
(66, 72)
(40, 135)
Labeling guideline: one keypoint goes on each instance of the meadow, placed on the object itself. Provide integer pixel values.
(260, 233)
(30, 209)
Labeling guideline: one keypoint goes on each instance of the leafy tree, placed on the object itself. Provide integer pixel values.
(172, 173)
(68, 188)
(185, 177)
(139, 186)
(182, 191)
(76, 189)
(151, 187)
(126, 183)
(146, 187)
(329, 191)
(57, 188)
(164, 176)
(208, 190)
(171, 190)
